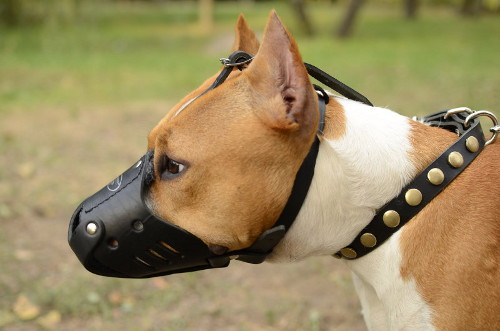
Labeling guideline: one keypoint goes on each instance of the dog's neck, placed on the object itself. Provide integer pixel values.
(356, 172)
(366, 157)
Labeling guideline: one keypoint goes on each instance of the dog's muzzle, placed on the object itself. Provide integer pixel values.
(113, 233)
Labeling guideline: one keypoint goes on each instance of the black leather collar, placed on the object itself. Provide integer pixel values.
(428, 184)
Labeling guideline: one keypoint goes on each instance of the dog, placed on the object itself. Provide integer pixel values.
(224, 161)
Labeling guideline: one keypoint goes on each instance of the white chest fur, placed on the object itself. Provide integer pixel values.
(388, 302)
(354, 176)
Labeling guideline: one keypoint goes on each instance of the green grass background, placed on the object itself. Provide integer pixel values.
(77, 101)
(138, 53)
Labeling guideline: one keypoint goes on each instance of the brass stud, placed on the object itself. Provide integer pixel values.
(435, 176)
(472, 144)
(348, 253)
(391, 218)
(337, 255)
(413, 197)
(368, 240)
(455, 159)
(91, 228)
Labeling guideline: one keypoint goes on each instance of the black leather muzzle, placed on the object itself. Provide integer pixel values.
(113, 233)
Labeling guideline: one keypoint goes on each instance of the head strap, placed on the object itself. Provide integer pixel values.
(240, 58)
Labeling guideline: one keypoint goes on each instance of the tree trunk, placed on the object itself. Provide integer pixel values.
(206, 15)
(470, 7)
(300, 10)
(11, 13)
(411, 7)
(345, 28)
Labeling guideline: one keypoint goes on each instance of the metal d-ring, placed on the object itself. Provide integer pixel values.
(492, 117)
(458, 110)
(227, 62)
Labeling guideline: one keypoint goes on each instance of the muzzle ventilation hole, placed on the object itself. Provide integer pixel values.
(112, 243)
(76, 220)
(143, 262)
(170, 248)
(158, 255)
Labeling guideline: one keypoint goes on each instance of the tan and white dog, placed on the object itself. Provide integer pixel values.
(227, 163)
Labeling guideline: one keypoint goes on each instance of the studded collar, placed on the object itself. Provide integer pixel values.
(429, 183)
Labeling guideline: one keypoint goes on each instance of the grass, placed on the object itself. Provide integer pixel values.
(76, 102)
(133, 53)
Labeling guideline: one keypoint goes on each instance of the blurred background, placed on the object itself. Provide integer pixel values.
(83, 81)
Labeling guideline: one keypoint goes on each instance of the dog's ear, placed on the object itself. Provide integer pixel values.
(280, 80)
(245, 39)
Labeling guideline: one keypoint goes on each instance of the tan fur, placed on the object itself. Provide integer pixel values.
(451, 247)
(267, 115)
(335, 121)
(245, 40)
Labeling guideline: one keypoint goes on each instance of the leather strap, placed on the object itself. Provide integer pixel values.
(395, 214)
(239, 58)
(270, 238)
(336, 85)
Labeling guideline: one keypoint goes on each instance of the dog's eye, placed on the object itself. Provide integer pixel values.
(169, 168)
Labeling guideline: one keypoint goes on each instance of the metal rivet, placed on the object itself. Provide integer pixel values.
(391, 218)
(137, 225)
(91, 228)
(337, 255)
(348, 252)
(368, 240)
(455, 159)
(413, 197)
(435, 176)
(472, 144)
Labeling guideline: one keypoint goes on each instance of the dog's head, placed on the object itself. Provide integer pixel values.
(219, 171)
(225, 163)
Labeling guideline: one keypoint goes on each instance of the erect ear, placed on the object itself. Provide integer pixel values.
(245, 40)
(278, 77)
